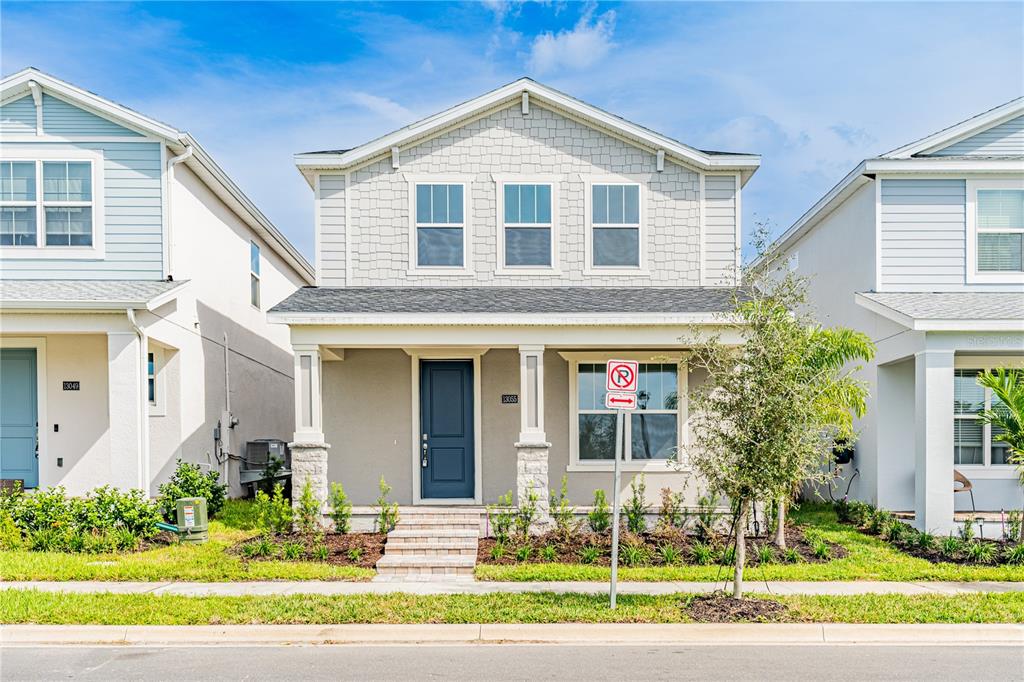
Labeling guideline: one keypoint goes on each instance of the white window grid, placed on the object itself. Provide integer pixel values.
(40, 203)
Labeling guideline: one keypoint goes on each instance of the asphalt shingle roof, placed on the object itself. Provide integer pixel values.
(488, 299)
(81, 292)
(973, 305)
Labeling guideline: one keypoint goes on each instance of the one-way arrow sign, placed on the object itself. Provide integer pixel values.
(620, 401)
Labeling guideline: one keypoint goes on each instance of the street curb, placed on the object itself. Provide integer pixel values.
(972, 634)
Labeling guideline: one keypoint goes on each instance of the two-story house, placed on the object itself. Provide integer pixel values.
(475, 271)
(134, 282)
(921, 248)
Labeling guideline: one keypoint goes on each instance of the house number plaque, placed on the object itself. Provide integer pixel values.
(510, 399)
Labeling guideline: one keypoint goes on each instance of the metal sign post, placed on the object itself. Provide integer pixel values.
(621, 384)
(620, 433)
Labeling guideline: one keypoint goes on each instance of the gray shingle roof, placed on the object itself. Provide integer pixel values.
(81, 293)
(973, 305)
(489, 299)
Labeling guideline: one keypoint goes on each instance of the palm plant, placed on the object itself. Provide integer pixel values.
(1008, 414)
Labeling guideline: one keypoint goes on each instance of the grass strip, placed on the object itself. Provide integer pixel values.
(32, 606)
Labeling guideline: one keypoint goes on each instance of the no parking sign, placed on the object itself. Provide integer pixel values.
(622, 376)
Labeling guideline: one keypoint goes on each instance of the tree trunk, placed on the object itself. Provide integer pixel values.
(780, 525)
(741, 551)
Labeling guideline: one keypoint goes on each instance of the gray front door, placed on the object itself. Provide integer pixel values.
(18, 420)
(446, 425)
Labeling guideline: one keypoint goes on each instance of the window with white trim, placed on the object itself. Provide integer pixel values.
(1000, 230)
(652, 430)
(615, 225)
(974, 443)
(151, 376)
(527, 225)
(254, 274)
(440, 225)
(46, 203)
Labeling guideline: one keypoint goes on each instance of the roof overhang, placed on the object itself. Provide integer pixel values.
(624, 319)
(54, 305)
(960, 131)
(937, 324)
(745, 164)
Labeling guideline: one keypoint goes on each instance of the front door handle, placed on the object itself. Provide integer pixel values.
(423, 459)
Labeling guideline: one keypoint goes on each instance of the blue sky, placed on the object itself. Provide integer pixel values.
(813, 87)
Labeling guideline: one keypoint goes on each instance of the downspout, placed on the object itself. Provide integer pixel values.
(227, 427)
(143, 403)
(171, 163)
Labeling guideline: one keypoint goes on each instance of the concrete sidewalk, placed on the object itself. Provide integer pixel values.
(497, 633)
(238, 589)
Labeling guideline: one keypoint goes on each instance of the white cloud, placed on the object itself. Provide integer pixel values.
(583, 46)
(383, 106)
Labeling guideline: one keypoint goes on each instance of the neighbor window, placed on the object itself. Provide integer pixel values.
(652, 431)
(615, 225)
(254, 274)
(1000, 230)
(54, 198)
(973, 442)
(527, 225)
(439, 225)
(151, 374)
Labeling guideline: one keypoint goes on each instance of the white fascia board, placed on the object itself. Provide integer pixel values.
(157, 301)
(502, 319)
(955, 133)
(512, 93)
(938, 324)
(939, 164)
(112, 305)
(884, 310)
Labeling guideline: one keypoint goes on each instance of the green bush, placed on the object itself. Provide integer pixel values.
(354, 554)
(498, 550)
(525, 515)
(321, 552)
(951, 546)
(10, 536)
(589, 554)
(561, 511)
(341, 509)
(702, 553)
(291, 551)
(600, 517)
(548, 553)
(273, 512)
(387, 512)
(502, 517)
(636, 507)
(634, 554)
(523, 552)
(308, 511)
(1014, 555)
(671, 514)
(669, 554)
(981, 552)
(765, 554)
(189, 480)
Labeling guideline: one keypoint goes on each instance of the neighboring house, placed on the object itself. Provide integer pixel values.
(921, 248)
(134, 280)
(475, 271)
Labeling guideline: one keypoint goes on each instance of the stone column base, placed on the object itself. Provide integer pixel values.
(309, 463)
(532, 474)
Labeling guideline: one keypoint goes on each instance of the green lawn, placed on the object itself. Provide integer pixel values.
(30, 606)
(869, 558)
(209, 562)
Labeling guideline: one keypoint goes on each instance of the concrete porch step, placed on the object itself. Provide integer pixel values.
(439, 524)
(429, 549)
(440, 565)
(399, 535)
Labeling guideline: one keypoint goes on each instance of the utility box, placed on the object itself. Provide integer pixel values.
(190, 516)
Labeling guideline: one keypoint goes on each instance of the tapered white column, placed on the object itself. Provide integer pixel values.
(933, 441)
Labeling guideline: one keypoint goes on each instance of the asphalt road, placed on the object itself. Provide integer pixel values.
(514, 662)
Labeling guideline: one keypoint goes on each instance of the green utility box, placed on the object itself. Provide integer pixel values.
(190, 515)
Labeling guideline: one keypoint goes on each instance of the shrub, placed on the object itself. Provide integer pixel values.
(706, 508)
(260, 547)
(498, 550)
(669, 554)
(860, 512)
(821, 550)
(10, 536)
(791, 556)
(355, 554)
(291, 551)
(308, 512)
(600, 517)
(523, 552)
(548, 553)
(702, 553)
(878, 520)
(321, 552)
(670, 514)
(895, 531)
(1014, 555)
(635, 554)
(561, 511)
(1014, 522)
(924, 540)
(729, 555)
(502, 517)
(966, 531)
(526, 513)
(765, 554)
(589, 554)
(341, 509)
(951, 546)
(981, 552)
(387, 512)
(273, 512)
(189, 480)
(636, 507)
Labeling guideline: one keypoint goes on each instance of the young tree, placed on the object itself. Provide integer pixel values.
(765, 420)
(1007, 416)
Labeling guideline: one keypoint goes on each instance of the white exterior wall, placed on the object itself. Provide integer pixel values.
(364, 239)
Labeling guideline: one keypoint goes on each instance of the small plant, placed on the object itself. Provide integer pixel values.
(10, 536)
(320, 552)
(669, 554)
(636, 507)
(502, 517)
(765, 554)
(1014, 522)
(878, 520)
(729, 555)
(821, 550)
(189, 480)
(589, 554)
(273, 512)
(548, 553)
(354, 554)
(561, 511)
(498, 550)
(925, 541)
(951, 546)
(526, 514)
(291, 551)
(634, 554)
(387, 512)
(341, 509)
(308, 512)
(124, 540)
(966, 531)
(702, 553)
(1014, 555)
(262, 547)
(670, 514)
(271, 472)
(860, 512)
(791, 556)
(523, 552)
(980, 552)
(895, 531)
(600, 517)
(706, 509)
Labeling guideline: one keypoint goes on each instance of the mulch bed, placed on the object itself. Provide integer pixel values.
(338, 546)
(718, 608)
(568, 547)
(935, 554)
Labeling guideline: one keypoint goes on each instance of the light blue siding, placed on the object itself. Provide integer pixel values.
(132, 203)
(923, 233)
(1005, 139)
(66, 120)
(18, 117)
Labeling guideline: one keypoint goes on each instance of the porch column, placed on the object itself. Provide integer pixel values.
(532, 447)
(309, 451)
(933, 441)
(124, 410)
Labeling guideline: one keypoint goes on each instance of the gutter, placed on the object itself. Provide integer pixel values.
(143, 396)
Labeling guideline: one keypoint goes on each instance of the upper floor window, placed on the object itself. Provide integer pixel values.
(46, 202)
(254, 274)
(615, 224)
(1000, 227)
(527, 225)
(440, 225)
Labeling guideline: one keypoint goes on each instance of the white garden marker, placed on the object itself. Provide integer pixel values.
(621, 381)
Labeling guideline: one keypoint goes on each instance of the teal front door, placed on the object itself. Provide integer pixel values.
(18, 416)
(446, 418)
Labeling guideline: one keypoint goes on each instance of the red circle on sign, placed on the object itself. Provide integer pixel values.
(621, 376)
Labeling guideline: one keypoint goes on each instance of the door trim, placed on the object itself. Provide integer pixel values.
(37, 343)
(474, 354)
